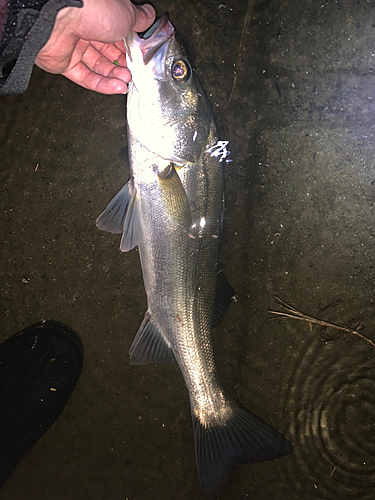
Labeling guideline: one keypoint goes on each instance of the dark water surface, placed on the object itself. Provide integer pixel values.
(299, 223)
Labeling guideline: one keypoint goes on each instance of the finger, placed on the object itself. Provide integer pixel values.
(144, 17)
(112, 51)
(54, 59)
(121, 46)
(86, 78)
(100, 64)
(122, 60)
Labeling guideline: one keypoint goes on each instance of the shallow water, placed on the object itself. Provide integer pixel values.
(299, 224)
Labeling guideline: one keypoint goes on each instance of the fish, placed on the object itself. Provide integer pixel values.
(172, 208)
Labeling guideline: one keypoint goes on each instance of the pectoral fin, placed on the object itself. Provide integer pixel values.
(174, 195)
(122, 216)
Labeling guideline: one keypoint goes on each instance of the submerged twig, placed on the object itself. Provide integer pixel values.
(246, 22)
(294, 313)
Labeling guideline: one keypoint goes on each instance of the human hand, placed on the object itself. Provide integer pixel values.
(86, 41)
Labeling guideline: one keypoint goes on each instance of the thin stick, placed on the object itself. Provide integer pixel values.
(296, 314)
(246, 22)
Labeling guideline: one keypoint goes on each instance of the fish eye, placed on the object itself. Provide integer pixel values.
(181, 71)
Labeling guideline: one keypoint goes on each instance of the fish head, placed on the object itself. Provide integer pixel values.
(167, 110)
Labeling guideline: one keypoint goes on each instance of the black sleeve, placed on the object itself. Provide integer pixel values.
(27, 28)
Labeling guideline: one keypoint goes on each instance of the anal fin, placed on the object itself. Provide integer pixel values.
(150, 345)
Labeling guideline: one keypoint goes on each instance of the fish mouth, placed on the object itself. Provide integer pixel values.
(151, 40)
(156, 27)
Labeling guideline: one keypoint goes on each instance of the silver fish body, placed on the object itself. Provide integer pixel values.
(172, 208)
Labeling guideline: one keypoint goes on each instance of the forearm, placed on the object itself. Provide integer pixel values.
(25, 27)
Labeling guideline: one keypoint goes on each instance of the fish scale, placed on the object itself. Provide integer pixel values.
(172, 209)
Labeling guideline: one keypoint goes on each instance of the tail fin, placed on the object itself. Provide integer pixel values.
(244, 438)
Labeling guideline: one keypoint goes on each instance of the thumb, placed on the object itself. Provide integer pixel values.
(144, 17)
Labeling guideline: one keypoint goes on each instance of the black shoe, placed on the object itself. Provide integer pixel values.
(39, 368)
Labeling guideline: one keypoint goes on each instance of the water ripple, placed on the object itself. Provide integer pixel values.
(331, 405)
